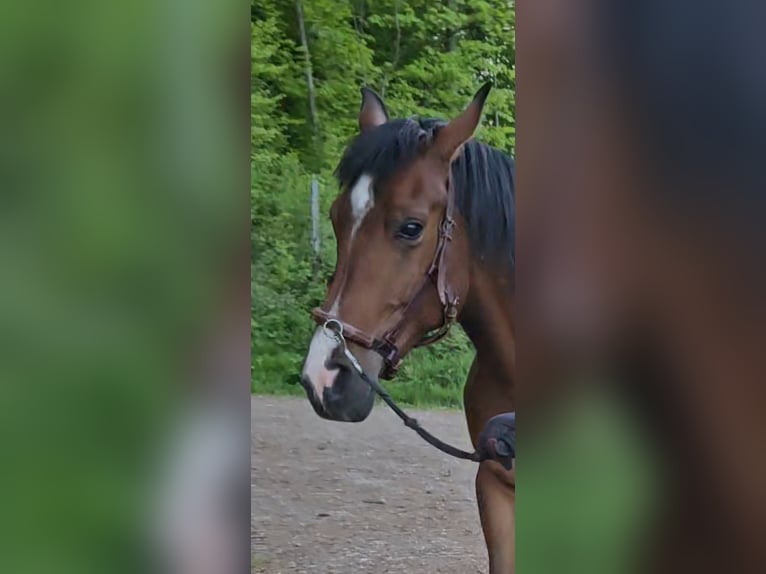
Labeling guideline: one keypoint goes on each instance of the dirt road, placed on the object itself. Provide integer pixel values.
(359, 498)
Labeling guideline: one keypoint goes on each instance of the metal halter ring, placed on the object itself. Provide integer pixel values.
(337, 334)
(334, 333)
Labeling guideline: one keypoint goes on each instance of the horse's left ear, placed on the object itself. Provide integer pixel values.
(451, 137)
(373, 111)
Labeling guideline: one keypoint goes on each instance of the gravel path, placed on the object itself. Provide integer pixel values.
(370, 497)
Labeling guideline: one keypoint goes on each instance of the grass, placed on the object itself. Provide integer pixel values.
(409, 393)
(430, 377)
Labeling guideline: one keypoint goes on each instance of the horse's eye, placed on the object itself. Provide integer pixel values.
(410, 230)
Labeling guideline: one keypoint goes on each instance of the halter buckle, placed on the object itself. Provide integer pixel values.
(446, 229)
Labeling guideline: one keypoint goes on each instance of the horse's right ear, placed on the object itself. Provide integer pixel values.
(450, 139)
(373, 111)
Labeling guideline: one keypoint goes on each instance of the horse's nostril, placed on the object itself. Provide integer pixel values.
(338, 361)
(338, 352)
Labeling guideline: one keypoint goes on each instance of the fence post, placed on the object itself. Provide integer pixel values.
(315, 219)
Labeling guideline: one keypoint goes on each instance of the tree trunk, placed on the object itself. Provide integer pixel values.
(397, 47)
(453, 33)
(359, 29)
(309, 74)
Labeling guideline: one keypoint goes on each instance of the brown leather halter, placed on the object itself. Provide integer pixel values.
(387, 346)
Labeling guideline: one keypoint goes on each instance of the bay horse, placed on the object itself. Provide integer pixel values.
(425, 237)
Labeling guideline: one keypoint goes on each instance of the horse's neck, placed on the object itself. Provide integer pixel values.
(488, 320)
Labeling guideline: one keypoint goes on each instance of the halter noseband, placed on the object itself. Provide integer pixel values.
(387, 346)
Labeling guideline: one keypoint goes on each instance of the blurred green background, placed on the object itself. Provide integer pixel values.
(309, 60)
(123, 183)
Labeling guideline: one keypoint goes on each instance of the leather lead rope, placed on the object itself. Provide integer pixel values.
(415, 425)
(334, 329)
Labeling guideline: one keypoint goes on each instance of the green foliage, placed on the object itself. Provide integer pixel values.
(423, 57)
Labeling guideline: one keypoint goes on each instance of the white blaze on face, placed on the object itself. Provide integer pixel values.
(322, 346)
(362, 201)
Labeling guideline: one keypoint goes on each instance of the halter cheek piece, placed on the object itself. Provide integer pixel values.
(387, 346)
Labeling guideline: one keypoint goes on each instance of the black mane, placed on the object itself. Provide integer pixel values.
(482, 176)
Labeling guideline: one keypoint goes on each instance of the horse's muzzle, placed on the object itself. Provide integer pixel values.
(349, 399)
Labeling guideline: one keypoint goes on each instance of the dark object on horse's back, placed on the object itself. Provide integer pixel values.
(498, 440)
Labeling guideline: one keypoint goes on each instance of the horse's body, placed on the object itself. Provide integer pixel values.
(489, 391)
(396, 179)
(485, 190)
